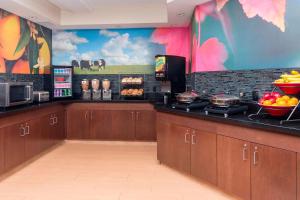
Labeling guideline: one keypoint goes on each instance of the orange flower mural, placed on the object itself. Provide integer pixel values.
(23, 44)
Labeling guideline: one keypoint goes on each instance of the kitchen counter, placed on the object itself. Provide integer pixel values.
(29, 107)
(239, 119)
(267, 124)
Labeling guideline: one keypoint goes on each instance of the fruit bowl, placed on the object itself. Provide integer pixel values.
(289, 88)
(277, 111)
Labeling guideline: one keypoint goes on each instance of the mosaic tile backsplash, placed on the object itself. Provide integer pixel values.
(235, 82)
(37, 79)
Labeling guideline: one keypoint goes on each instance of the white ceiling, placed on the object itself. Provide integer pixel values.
(71, 14)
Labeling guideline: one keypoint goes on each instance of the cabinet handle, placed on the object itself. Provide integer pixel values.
(55, 120)
(194, 137)
(255, 155)
(51, 120)
(22, 130)
(132, 116)
(244, 152)
(137, 115)
(186, 137)
(28, 129)
(86, 114)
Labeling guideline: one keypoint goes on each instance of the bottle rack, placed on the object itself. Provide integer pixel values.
(132, 86)
(287, 120)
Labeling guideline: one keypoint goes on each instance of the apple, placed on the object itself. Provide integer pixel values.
(276, 95)
(267, 96)
(272, 99)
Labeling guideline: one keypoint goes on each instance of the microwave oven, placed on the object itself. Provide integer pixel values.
(15, 93)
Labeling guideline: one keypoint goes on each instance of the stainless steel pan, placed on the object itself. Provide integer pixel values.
(224, 100)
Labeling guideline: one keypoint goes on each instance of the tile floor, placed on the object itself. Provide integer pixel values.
(103, 171)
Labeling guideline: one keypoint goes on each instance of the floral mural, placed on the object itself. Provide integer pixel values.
(25, 47)
(245, 34)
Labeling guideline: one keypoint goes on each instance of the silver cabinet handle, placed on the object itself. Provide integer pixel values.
(132, 116)
(86, 114)
(137, 115)
(54, 120)
(22, 131)
(27, 128)
(255, 153)
(193, 137)
(186, 137)
(244, 152)
(51, 120)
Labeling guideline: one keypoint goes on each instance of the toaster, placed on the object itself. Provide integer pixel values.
(41, 96)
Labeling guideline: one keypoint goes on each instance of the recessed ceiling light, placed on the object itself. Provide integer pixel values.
(169, 1)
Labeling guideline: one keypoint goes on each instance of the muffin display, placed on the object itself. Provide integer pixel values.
(132, 81)
(132, 92)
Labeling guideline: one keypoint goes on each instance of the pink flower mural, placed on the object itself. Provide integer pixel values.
(212, 54)
(272, 11)
(176, 40)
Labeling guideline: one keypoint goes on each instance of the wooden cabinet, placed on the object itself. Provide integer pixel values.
(58, 127)
(180, 148)
(204, 156)
(78, 126)
(144, 129)
(233, 158)
(1, 151)
(253, 171)
(273, 173)
(298, 176)
(188, 150)
(14, 147)
(33, 139)
(110, 122)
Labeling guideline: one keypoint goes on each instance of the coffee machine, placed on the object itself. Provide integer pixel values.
(86, 92)
(170, 71)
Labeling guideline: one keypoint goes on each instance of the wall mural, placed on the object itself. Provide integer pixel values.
(245, 34)
(25, 47)
(118, 51)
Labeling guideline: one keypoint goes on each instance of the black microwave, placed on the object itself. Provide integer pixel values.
(15, 93)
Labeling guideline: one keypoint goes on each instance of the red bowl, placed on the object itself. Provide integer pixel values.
(289, 88)
(278, 111)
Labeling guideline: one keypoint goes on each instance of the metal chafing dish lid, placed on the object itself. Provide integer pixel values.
(225, 97)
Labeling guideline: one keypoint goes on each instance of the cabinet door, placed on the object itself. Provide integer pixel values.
(101, 125)
(233, 161)
(59, 126)
(123, 125)
(14, 145)
(163, 130)
(46, 131)
(273, 173)
(78, 124)
(180, 155)
(204, 156)
(33, 139)
(298, 176)
(144, 129)
(1, 151)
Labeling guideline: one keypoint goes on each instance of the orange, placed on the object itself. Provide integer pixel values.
(21, 67)
(282, 103)
(285, 97)
(2, 65)
(9, 37)
(267, 103)
(293, 101)
(274, 104)
(278, 99)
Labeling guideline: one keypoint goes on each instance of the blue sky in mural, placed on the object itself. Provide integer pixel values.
(256, 43)
(116, 46)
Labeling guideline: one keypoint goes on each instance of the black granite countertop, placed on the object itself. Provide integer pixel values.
(263, 123)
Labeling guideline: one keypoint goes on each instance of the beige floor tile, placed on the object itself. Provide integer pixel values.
(81, 170)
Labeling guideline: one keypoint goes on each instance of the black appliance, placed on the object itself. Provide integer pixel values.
(226, 111)
(62, 82)
(170, 70)
(199, 104)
